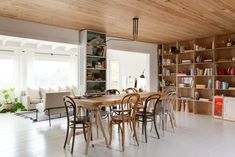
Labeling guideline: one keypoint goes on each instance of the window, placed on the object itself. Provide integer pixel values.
(49, 73)
(114, 74)
(7, 72)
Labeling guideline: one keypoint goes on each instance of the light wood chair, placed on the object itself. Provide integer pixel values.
(127, 115)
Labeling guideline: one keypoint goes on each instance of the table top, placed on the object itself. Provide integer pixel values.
(109, 100)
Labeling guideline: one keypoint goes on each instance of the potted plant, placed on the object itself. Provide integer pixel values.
(8, 99)
(10, 103)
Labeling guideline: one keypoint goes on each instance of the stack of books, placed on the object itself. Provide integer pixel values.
(205, 72)
(221, 85)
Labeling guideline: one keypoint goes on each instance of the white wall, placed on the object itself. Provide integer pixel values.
(140, 47)
(32, 30)
(130, 64)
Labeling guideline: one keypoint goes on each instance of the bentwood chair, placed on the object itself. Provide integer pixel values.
(74, 121)
(116, 108)
(127, 115)
(131, 90)
(147, 115)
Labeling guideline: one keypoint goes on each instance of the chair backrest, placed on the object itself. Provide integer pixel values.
(151, 100)
(112, 92)
(54, 99)
(131, 90)
(129, 104)
(169, 102)
(70, 105)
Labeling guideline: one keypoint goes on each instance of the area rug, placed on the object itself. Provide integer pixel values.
(41, 117)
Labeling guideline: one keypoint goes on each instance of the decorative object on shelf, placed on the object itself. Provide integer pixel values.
(198, 59)
(229, 43)
(231, 70)
(181, 49)
(196, 95)
(233, 58)
(199, 48)
(174, 50)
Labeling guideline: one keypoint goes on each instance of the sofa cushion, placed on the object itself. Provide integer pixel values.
(62, 89)
(33, 94)
(73, 90)
(35, 101)
(43, 92)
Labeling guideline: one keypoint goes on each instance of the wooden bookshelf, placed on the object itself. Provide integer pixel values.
(210, 54)
(94, 50)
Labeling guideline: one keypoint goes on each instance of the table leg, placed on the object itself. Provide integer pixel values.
(89, 133)
(99, 118)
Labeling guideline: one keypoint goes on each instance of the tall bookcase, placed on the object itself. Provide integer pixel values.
(202, 69)
(92, 63)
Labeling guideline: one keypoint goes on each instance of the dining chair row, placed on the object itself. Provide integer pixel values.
(127, 112)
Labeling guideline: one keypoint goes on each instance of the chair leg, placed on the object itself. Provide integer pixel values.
(171, 122)
(155, 125)
(134, 129)
(163, 126)
(145, 131)
(110, 132)
(84, 131)
(123, 136)
(143, 126)
(49, 115)
(36, 115)
(73, 140)
(67, 134)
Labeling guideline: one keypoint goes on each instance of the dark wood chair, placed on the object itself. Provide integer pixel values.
(127, 115)
(146, 116)
(74, 121)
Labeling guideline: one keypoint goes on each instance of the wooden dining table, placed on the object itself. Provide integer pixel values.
(95, 104)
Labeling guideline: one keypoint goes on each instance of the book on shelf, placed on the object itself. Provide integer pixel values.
(203, 72)
(221, 85)
(200, 86)
(231, 88)
(209, 85)
(186, 61)
(181, 74)
(204, 99)
(207, 60)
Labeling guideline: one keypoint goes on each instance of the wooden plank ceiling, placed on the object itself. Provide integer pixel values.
(160, 20)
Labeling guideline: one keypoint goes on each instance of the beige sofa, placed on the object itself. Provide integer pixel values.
(52, 104)
(35, 96)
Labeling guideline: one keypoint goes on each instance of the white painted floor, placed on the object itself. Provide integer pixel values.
(195, 136)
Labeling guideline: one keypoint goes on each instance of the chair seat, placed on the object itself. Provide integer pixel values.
(81, 120)
(141, 113)
(120, 118)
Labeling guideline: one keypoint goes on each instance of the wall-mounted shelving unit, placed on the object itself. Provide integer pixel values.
(93, 63)
(197, 68)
